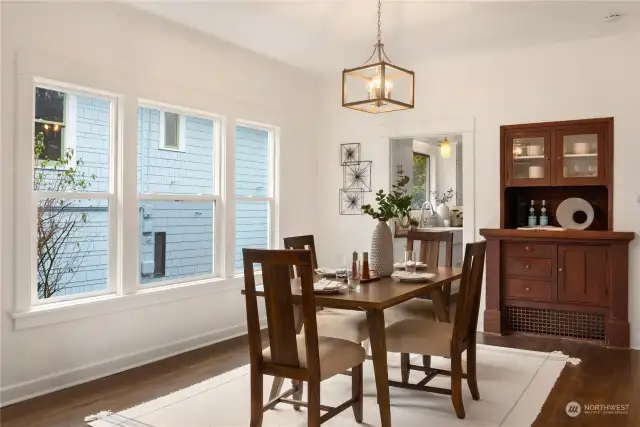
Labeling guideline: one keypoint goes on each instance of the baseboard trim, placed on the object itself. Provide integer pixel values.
(69, 378)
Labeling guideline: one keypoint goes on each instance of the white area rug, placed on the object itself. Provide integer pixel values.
(514, 385)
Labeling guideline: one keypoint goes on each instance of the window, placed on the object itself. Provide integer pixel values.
(254, 188)
(73, 198)
(160, 255)
(421, 182)
(177, 195)
(172, 131)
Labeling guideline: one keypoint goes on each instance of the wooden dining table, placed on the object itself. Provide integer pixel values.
(373, 298)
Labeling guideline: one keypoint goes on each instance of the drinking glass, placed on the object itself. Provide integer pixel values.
(341, 272)
(354, 272)
(410, 261)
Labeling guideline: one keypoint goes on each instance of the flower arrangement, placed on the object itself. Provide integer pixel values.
(395, 204)
(442, 198)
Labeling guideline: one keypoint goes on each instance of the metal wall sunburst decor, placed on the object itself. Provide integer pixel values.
(349, 154)
(351, 201)
(357, 176)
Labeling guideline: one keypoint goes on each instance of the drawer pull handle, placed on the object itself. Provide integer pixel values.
(560, 269)
(526, 266)
(527, 289)
(527, 248)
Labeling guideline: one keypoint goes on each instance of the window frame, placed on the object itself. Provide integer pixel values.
(214, 198)
(181, 130)
(111, 195)
(272, 193)
(427, 181)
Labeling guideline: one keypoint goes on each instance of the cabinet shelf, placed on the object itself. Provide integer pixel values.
(515, 159)
(574, 156)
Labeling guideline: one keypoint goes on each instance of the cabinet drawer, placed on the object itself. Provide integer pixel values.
(530, 289)
(530, 250)
(529, 267)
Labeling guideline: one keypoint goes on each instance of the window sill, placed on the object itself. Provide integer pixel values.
(66, 311)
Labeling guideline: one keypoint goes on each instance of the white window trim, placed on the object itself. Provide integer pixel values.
(182, 132)
(26, 267)
(218, 125)
(69, 125)
(272, 195)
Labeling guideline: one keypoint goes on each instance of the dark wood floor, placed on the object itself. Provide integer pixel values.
(604, 377)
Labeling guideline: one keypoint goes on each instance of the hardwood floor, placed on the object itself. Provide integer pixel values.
(603, 377)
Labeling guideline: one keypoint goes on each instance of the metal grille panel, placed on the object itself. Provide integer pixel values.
(543, 321)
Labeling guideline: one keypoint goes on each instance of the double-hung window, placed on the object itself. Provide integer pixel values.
(73, 209)
(255, 170)
(177, 190)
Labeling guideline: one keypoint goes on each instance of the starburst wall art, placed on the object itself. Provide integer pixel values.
(351, 201)
(356, 179)
(357, 176)
(349, 154)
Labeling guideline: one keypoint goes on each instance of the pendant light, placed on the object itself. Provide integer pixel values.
(445, 148)
(378, 86)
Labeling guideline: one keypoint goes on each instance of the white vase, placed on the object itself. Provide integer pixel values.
(381, 258)
(443, 213)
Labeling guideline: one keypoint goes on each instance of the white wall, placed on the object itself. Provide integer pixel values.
(591, 78)
(142, 57)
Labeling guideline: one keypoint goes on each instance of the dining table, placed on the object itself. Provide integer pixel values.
(373, 298)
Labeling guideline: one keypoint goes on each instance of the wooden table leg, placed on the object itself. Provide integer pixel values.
(439, 305)
(375, 319)
(276, 387)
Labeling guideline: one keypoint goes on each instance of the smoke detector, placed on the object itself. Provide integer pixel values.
(613, 17)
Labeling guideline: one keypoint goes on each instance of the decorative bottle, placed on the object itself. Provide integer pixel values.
(544, 219)
(365, 266)
(354, 265)
(533, 219)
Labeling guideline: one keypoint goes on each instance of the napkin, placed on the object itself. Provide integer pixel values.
(330, 271)
(403, 274)
(419, 264)
(325, 285)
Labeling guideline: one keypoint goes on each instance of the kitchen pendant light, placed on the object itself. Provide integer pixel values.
(445, 148)
(378, 86)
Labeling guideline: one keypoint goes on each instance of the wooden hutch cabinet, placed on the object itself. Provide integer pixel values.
(569, 283)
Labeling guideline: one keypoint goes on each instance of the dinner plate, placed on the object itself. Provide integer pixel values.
(419, 265)
(414, 278)
(329, 272)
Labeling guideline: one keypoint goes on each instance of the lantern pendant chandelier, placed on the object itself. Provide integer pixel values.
(378, 86)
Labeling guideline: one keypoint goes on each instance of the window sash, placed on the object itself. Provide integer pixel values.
(30, 296)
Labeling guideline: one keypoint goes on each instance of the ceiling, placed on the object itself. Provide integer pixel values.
(327, 36)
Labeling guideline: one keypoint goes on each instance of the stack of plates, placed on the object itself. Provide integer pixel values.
(403, 276)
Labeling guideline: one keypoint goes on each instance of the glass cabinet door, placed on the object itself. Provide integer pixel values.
(580, 156)
(528, 159)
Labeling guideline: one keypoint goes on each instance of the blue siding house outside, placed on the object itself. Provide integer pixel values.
(188, 226)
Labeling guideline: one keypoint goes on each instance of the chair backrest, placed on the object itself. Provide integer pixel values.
(279, 306)
(430, 246)
(468, 305)
(302, 242)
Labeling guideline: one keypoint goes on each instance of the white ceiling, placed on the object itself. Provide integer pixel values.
(327, 36)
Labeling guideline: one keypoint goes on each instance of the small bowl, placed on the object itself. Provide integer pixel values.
(581, 147)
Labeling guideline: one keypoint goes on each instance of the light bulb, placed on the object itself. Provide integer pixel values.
(55, 128)
(46, 126)
(445, 149)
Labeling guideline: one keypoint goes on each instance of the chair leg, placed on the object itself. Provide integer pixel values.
(298, 394)
(256, 398)
(456, 383)
(313, 414)
(426, 361)
(357, 393)
(404, 367)
(472, 379)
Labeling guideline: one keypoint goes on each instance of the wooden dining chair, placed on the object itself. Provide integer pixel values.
(302, 242)
(422, 308)
(429, 338)
(307, 357)
(346, 324)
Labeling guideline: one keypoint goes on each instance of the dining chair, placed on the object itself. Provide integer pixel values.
(346, 324)
(309, 357)
(422, 308)
(450, 340)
